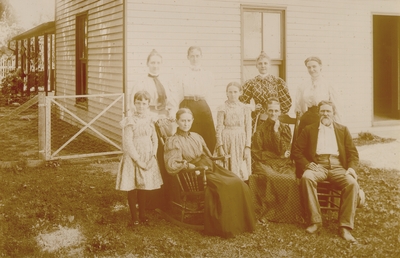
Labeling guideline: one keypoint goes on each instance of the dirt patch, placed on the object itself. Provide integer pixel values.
(63, 238)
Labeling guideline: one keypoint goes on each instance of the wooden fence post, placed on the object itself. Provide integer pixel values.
(42, 124)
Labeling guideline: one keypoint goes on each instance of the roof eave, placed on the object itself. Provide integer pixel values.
(40, 30)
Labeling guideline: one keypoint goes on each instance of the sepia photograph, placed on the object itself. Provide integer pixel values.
(200, 128)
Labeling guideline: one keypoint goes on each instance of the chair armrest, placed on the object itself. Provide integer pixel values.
(285, 118)
(223, 158)
(199, 168)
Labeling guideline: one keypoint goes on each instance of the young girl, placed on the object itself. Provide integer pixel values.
(139, 170)
(234, 132)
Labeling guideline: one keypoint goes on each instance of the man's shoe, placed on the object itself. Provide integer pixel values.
(346, 235)
(313, 228)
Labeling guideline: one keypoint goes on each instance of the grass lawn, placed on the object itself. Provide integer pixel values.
(73, 210)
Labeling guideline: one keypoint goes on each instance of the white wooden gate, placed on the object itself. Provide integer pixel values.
(82, 126)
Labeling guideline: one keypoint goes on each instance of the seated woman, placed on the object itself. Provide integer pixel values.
(228, 207)
(274, 188)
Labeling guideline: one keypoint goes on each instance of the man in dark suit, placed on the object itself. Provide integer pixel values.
(325, 151)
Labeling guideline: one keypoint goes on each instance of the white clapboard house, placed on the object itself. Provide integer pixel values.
(102, 46)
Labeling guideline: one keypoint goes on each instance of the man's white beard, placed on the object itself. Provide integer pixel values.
(326, 121)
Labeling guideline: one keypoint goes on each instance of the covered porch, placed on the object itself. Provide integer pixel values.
(35, 57)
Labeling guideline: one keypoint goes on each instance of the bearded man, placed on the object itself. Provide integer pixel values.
(325, 152)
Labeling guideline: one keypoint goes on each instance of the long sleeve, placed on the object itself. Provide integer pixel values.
(128, 143)
(177, 88)
(281, 139)
(206, 151)
(174, 94)
(267, 143)
(351, 151)
(300, 105)
(247, 92)
(284, 97)
(220, 126)
(173, 158)
(154, 141)
(256, 146)
(301, 146)
(247, 125)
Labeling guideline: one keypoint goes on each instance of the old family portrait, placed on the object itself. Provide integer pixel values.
(250, 161)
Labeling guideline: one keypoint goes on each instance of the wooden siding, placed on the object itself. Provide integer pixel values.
(105, 56)
(105, 45)
(171, 27)
(339, 32)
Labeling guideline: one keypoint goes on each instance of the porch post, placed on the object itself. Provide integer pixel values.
(36, 57)
(28, 67)
(16, 54)
(45, 63)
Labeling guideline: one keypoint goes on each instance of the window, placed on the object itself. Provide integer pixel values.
(263, 30)
(81, 48)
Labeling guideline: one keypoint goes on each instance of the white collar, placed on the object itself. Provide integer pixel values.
(263, 75)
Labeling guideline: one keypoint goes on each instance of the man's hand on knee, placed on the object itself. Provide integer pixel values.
(352, 172)
(316, 167)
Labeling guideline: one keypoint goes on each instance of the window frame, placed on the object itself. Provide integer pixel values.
(281, 62)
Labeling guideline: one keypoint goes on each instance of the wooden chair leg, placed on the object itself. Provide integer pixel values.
(183, 209)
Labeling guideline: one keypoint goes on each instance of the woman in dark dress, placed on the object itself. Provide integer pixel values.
(276, 192)
(265, 86)
(228, 206)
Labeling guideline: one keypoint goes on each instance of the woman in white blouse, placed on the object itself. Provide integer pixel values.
(310, 94)
(197, 85)
(163, 98)
(163, 104)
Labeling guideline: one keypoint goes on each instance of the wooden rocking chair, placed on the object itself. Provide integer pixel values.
(191, 184)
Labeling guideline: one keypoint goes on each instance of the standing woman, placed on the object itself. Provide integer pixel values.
(197, 87)
(310, 94)
(234, 132)
(163, 97)
(265, 86)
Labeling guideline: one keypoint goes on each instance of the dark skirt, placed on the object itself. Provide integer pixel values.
(275, 193)
(228, 206)
(203, 123)
(159, 198)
